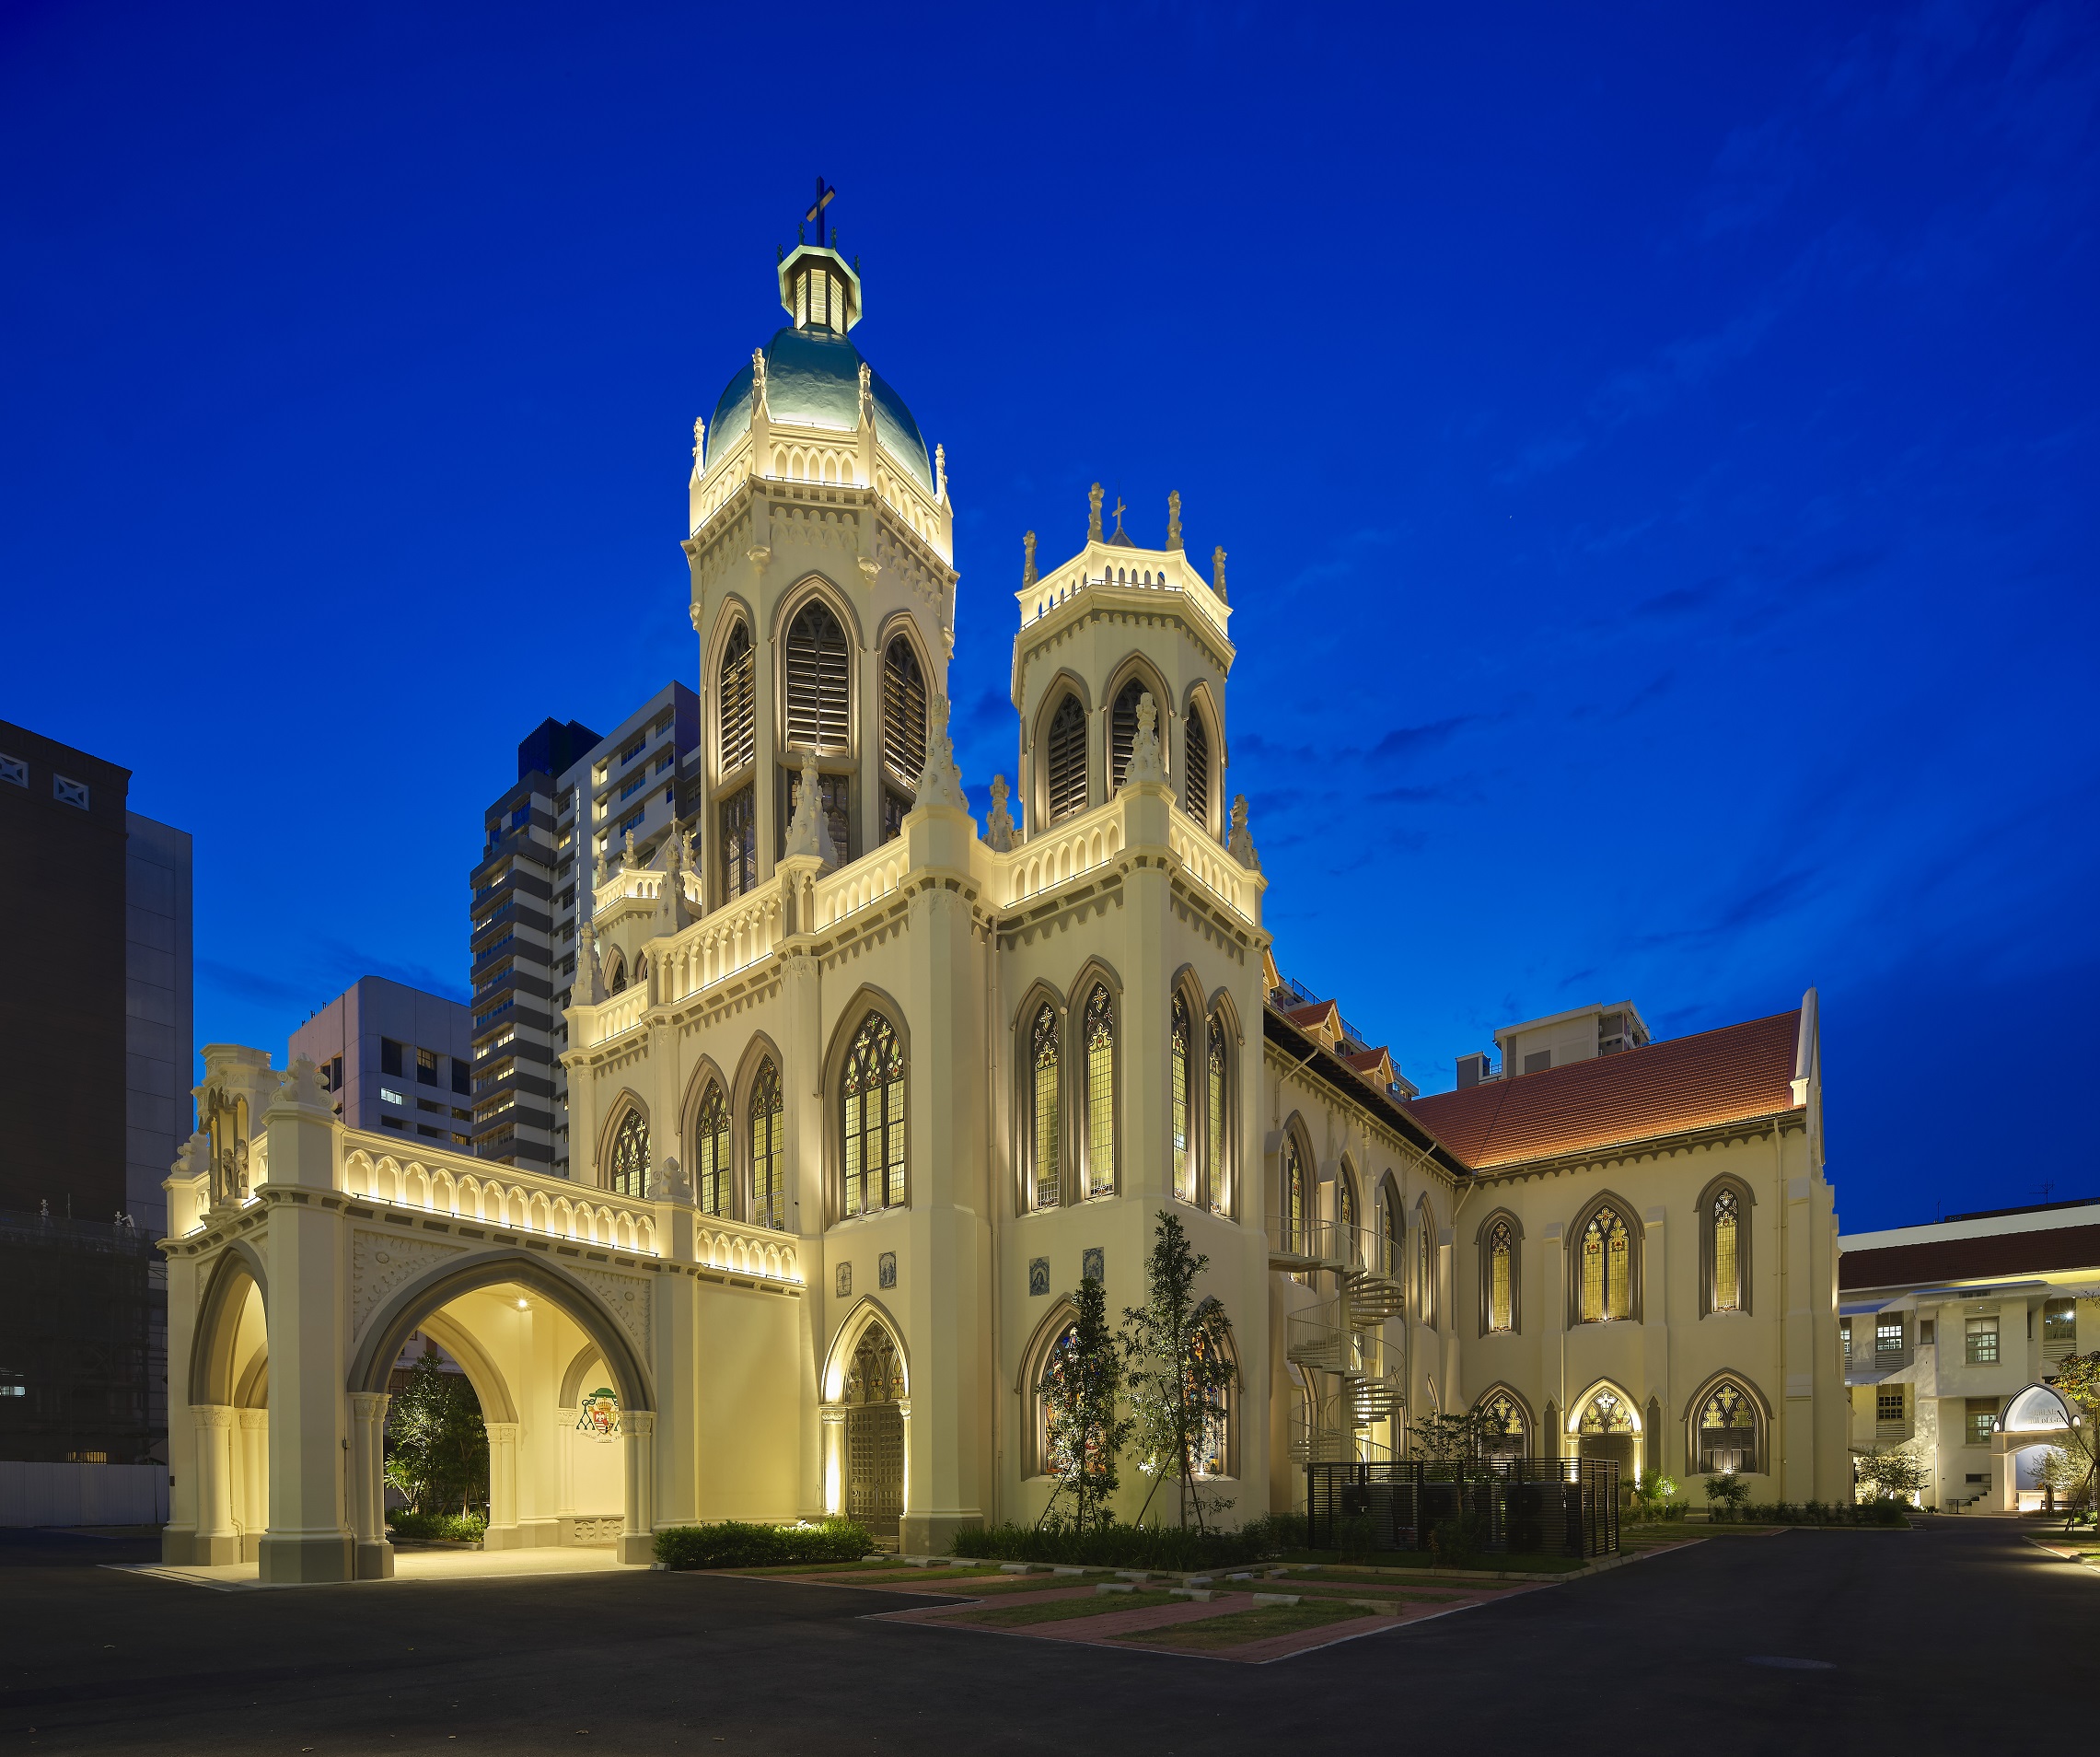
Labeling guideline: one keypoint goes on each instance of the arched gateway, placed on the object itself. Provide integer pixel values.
(290, 1299)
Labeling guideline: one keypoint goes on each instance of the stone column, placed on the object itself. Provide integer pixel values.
(566, 1464)
(308, 1320)
(638, 1440)
(503, 1532)
(374, 1551)
(254, 1499)
(216, 1543)
(831, 1418)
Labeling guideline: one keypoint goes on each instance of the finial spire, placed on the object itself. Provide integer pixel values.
(1028, 559)
(1094, 514)
(1218, 574)
(1174, 520)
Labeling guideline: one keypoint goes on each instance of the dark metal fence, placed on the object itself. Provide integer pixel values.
(1565, 1506)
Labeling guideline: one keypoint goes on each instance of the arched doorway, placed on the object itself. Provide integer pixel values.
(220, 1506)
(873, 1396)
(1608, 1431)
(509, 1320)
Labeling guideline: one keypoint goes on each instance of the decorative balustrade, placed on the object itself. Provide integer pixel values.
(621, 1013)
(717, 947)
(853, 889)
(1048, 593)
(1207, 863)
(496, 1196)
(1062, 853)
(472, 1190)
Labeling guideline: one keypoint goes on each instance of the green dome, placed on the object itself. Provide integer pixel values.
(812, 379)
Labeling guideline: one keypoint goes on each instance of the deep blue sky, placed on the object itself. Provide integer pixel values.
(1656, 448)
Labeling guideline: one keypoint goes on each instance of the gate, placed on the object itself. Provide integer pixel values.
(1555, 1507)
(875, 1467)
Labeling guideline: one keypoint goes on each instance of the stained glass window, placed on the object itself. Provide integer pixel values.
(769, 1156)
(1294, 1235)
(1184, 1164)
(1059, 1366)
(1100, 1027)
(1502, 1289)
(1503, 1427)
(1728, 1429)
(631, 1156)
(1606, 1413)
(1216, 1180)
(873, 1102)
(1425, 1268)
(711, 1152)
(1727, 1272)
(1607, 1269)
(1043, 1107)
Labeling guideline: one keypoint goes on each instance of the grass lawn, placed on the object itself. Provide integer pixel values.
(1237, 1628)
(1015, 1616)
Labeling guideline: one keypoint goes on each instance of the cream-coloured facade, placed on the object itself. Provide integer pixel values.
(1951, 1333)
(859, 1087)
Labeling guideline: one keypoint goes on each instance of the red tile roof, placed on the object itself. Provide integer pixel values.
(2000, 1254)
(1369, 1061)
(1726, 1075)
(1313, 1016)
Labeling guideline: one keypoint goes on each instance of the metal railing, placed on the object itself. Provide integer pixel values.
(1555, 1507)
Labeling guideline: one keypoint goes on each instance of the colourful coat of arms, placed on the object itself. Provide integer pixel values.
(599, 1416)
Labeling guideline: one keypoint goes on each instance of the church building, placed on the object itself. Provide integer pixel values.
(860, 1087)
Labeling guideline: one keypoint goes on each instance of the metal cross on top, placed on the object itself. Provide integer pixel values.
(815, 216)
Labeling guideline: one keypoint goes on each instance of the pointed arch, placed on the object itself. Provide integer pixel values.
(735, 669)
(483, 1373)
(1498, 1244)
(406, 1310)
(1724, 1211)
(866, 1311)
(1727, 1424)
(627, 1104)
(1220, 1160)
(1062, 761)
(1296, 1171)
(1425, 1288)
(868, 1117)
(1605, 1276)
(1392, 1229)
(238, 1273)
(1509, 1420)
(1131, 680)
(578, 1369)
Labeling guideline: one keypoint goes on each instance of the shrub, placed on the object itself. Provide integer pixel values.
(1725, 1495)
(1456, 1541)
(463, 1528)
(1173, 1548)
(732, 1546)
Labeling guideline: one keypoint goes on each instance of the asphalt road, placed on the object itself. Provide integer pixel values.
(1929, 1641)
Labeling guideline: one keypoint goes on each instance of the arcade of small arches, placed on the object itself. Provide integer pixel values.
(814, 699)
(1726, 1425)
(1067, 778)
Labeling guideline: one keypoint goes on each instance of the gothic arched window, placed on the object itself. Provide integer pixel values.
(1123, 730)
(1196, 768)
(1178, 1099)
(1297, 1236)
(1392, 1236)
(818, 672)
(1425, 1266)
(1607, 1269)
(872, 1115)
(1099, 1029)
(711, 1152)
(1059, 1366)
(1497, 1276)
(903, 712)
(1726, 1438)
(1064, 775)
(1606, 1413)
(738, 699)
(1045, 1096)
(616, 978)
(630, 1167)
(1217, 1179)
(769, 1151)
(1345, 1214)
(1725, 1224)
(1503, 1429)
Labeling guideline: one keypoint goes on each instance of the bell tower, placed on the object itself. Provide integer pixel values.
(1116, 623)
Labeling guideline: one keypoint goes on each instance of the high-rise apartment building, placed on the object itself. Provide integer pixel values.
(397, 1059)
(526, 890)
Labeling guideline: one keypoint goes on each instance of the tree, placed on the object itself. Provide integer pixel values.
(2077, 1382)
(1081, 1386)
(1451, 1445)
(438, 1446)
(1894, 1475)
(1178, 1352)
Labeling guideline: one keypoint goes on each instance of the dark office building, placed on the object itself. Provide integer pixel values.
(96, 1064)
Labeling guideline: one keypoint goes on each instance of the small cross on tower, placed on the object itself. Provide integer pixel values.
(815, 216)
